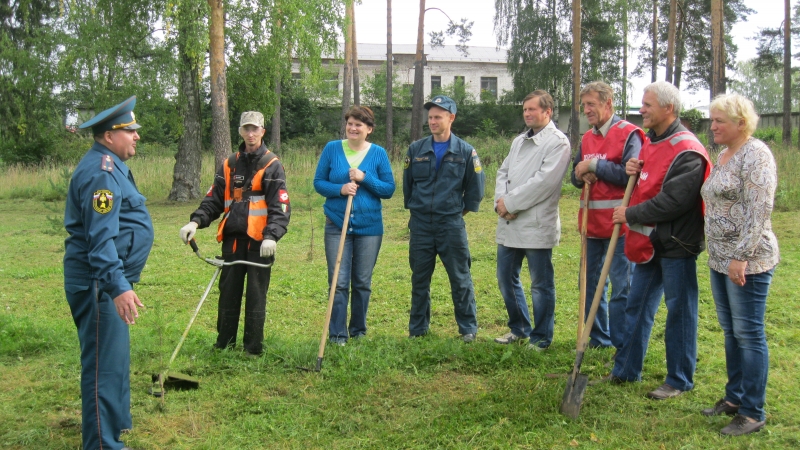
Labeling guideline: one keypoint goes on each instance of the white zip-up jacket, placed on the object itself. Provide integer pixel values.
(529, 181)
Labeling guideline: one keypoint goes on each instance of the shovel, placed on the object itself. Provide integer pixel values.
(587, 189)
(177, 380)
(577, 382)
(332, 290)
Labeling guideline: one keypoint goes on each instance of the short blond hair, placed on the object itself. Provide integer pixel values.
(737, 107)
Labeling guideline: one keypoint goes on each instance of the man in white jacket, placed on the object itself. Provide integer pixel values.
(526, 200)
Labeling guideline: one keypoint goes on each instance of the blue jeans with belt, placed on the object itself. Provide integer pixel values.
(676, 279)
(355, 280)
(543, 292)
(449, 241)
(740, 311)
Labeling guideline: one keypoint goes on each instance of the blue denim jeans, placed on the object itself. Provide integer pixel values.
(543, 292)
(676, 279)
(609, 323)
(449, 241)
(355, 280)
(740, 311)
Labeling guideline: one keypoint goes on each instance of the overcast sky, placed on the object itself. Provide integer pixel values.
(371, 28)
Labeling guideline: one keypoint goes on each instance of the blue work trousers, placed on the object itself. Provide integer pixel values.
(449, 242)
(609, 323)
(676, 279)
(105, 366)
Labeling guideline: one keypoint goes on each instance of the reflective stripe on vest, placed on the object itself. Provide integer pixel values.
(604, 196)
(257, 204)
(658, 159)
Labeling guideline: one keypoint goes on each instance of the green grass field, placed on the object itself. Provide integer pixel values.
(383, 391)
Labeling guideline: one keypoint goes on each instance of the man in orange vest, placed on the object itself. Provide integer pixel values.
(600, 161)
(249, 191)
(665, 235)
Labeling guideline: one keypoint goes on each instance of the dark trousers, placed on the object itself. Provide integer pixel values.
(231, 288)
(105, 366)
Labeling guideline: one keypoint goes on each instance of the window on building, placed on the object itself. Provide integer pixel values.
(489, 84)
(458, 79)
(332, 83)
(436, 83)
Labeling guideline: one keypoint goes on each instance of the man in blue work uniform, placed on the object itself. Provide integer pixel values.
(442, 181)
(110, 236)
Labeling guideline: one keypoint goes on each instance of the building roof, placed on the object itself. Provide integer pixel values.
(377, 52)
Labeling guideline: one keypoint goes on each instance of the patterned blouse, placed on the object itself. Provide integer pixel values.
(738, 196)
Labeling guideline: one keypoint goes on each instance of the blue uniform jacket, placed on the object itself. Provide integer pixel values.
(442, 196)
(110, 230)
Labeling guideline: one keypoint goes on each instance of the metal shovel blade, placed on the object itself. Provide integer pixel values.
(175, 381)
(573, 395)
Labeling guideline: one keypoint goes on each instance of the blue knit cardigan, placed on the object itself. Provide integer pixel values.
(366, 216)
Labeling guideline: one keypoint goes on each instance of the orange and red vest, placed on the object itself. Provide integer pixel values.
(605, 196)
(257, 209)
(658, 159)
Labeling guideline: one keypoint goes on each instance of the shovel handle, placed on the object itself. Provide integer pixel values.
(587, 189)
(193, 243)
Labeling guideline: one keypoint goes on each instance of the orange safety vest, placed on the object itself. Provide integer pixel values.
(658, 159)
(605, 196)
(257, 209)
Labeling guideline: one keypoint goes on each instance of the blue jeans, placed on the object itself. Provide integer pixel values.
(543, 292)
(609, 323)
(449, 241)
(740, 311)
(676, 279)
(355, 274)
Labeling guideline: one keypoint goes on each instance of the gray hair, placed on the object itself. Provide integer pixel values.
(666, 94)
(604, 91)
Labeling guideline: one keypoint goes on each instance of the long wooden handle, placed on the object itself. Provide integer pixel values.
(612, 245)
(334, 282)
(587, 189)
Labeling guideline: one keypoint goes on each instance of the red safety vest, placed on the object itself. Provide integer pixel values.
(605, 196)
(257, 209)
(658, 159)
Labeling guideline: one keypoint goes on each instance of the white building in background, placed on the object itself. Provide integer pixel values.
(483, 69)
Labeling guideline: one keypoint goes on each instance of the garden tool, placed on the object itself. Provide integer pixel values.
(587, 189)
(180, 381)
(577, 382)
(332, 289)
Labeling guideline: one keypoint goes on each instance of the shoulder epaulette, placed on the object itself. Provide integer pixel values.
(106, 163)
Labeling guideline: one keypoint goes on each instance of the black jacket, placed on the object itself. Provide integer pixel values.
(677, 210)
(273, 185)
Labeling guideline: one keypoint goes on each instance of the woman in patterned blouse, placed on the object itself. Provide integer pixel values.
(742, 254)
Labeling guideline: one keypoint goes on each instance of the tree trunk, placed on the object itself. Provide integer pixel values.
(574, 124)
(186, 173)
(624, 107)
(787, 74)
(717, 49)
(347, 75)
(654, 62)
(354, 55)
(220, 122)
(389, 81)
(680, 46)
(419, 78)
(275, 131)
(673, 17)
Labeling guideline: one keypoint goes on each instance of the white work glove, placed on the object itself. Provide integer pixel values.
(268, 248)
(187, 232)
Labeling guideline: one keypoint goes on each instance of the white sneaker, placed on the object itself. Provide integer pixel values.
(508, 338)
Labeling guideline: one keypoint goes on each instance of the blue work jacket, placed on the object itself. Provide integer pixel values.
(442, 196)
(110, 230)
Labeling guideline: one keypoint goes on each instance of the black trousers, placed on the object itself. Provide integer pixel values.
(231, 288)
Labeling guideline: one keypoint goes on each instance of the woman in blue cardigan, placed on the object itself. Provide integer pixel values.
(353, 167)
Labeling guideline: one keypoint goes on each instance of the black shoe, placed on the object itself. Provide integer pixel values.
(721, 407)
(664, 392)
(742, 425)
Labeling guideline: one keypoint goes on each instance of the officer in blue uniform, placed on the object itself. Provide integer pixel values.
(442, 181)
(110, 236)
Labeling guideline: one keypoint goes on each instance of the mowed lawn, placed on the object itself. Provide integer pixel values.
(384, 391)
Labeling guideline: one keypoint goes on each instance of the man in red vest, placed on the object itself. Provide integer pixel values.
(665, 235)
(249, 192)
(600, 162)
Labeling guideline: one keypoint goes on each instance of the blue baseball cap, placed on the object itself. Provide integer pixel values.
(444, 102)
(119, 117)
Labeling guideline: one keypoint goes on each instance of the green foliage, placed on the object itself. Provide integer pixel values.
(764, 87)
(487, 128)
(770, 135)
(694, 117)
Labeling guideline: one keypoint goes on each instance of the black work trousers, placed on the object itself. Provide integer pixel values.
(231, 288)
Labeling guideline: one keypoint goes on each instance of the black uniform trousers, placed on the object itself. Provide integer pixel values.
(231, 288)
